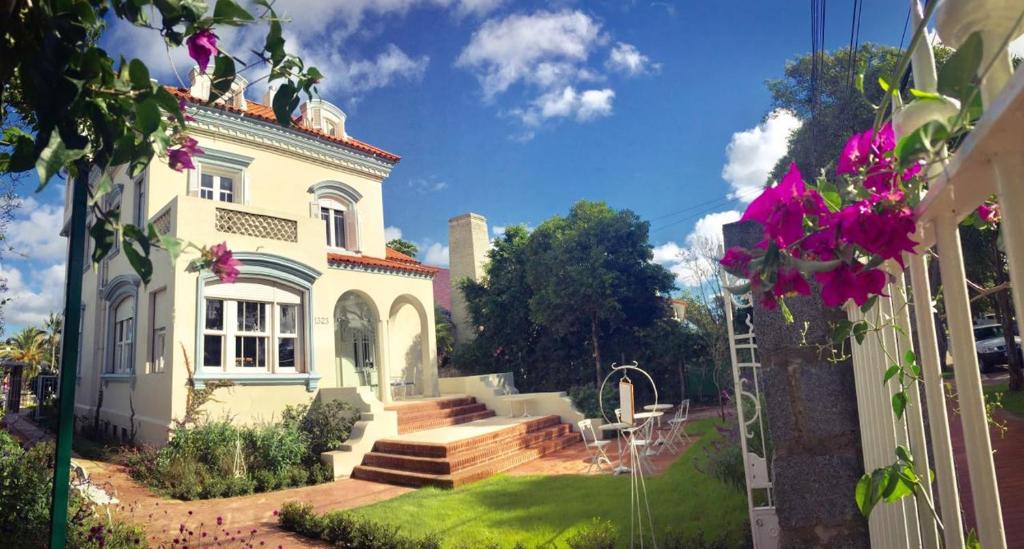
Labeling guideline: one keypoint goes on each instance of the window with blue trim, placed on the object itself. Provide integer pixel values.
(252, 326)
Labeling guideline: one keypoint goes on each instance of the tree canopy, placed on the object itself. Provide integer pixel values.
(403, 246)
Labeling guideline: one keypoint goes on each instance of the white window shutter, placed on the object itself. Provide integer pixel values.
(352, 230)
(193, 182)
(314, 209)
(246, 188)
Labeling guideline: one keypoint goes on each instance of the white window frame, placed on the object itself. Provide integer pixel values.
(140, 200)
(217, 175)
(158, 332)
(271, 297)
(329, 207)
(122, 338)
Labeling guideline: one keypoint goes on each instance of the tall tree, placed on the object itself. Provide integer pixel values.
(593, 269)
(28, 347)
(54, 325)
(403, 246)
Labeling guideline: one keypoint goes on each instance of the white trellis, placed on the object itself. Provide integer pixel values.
(764, 522)
(989, 161)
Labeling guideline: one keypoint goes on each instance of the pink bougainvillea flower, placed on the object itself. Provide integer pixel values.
(850, 282)
(820, 245)
(736, 261)
(202, 46)
(183, 106)
(781, 209)
(880, 229)
(180, 158)
(223, 262)
(989, 213)
(789, 283)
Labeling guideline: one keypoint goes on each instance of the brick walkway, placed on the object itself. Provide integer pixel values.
(1009, 459)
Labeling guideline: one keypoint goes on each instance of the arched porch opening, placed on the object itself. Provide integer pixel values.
(412, 370)
(357, 341)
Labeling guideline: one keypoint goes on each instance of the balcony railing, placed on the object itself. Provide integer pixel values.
(256, 225)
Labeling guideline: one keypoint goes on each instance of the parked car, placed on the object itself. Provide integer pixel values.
(991, 346)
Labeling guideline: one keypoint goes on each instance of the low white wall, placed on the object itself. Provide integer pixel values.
(490, 390)
(374, 424)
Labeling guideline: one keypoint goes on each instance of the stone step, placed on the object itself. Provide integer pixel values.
(421, 415)
(468, 458)
(435, 422)
(425, 405)
(467, 475)
(443, 450)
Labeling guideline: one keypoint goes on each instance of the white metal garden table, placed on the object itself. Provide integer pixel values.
(621, 467)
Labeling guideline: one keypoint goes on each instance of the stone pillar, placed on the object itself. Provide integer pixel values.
(383, 361)
(467, 251)
(811, 415)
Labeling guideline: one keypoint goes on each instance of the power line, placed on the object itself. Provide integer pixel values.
(744, 193)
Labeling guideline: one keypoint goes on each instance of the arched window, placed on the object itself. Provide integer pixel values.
(336, 204)
(122, 340)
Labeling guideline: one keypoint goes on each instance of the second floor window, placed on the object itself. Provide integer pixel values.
(122, 348)
(334, 219)
(218, 186)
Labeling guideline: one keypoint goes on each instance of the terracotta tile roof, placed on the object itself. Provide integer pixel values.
(394, 261)
(266, 114)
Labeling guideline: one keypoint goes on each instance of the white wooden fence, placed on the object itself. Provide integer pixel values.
(990, 161)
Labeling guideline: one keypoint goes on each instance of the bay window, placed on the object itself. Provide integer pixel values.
(252, 327)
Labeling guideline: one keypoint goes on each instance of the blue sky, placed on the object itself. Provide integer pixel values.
(515, 110)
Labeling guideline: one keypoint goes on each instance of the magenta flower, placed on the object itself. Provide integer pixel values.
(850, 282)
(183, 107)
(736, 261)
(223, 262)
(180, 158)
(989, 213)
(879, 228)
(781, 209)
(820, 245)
(202, 46)
(790, 282)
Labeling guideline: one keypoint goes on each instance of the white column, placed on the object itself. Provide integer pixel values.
(935, 399)
(383, 361)
(984, 488)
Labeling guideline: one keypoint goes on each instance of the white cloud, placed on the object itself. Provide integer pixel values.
(391, 232)
(693, 260)
(35, 231)
(752, 153)
(568, 103)
(32, 297)
(505, 51)
(627, 59)
(427, 185)
(435, 254)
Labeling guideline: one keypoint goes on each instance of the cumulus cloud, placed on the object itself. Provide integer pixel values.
(354, 76)
(435, 254)
(34, 233)
(391, 232)
(626, 58)
(543, 48)
(694, 259)
(752, 153)
(568, 103)
(427, 185)
(33, 296)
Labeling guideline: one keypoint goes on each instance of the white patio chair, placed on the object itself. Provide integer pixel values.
(677, 427)
(595, 445)
(641, 445)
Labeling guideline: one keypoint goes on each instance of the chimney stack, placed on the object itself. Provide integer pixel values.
(467, 250)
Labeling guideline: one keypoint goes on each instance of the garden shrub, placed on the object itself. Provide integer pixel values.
(26, 480)
(342, 529)
(700, 540)
(327, 424)
(599, 534)
(724, 458)
(584, 397)
(274, 447)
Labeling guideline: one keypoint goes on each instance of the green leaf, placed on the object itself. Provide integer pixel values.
(904, 454)
(972, 541)
(869, 304)
(286, 99)
(860, 331)
(102, 234)
(103, 186)
(892, 371)
(830, 194)
(168, 103)
(909, 357)
(787, 315)
(862, 494)
(921, 94)
(811, 266)
(228, 12)
(139, 75)
(147, 115)
(899, 487)
(54, 157)
(274, 44)
(899, 403)
(171, 245)
(23, 155)
(858, 83)
(884, 84)
(223, 76)
(960, 72)
(138, 256)
(841, 331)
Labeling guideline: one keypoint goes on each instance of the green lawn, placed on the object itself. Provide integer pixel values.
(544, 510)
(1012, 402)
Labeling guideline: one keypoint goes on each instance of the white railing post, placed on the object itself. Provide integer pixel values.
(913, 413)
(984, 487)
(935, 400)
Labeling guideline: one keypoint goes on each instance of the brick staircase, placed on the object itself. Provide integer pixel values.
(458, 462)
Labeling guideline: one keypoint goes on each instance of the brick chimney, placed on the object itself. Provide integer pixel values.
(467, 251)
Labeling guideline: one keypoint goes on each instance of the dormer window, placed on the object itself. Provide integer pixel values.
(218, 185)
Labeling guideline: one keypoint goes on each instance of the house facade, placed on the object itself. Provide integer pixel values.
(321, 302)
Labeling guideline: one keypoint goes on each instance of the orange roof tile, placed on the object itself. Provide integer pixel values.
(266, 114)
(395, 261)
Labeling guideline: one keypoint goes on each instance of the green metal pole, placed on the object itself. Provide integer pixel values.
(69, 359)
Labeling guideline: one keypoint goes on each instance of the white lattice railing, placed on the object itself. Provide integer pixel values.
(990, 161)
(257, 225)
